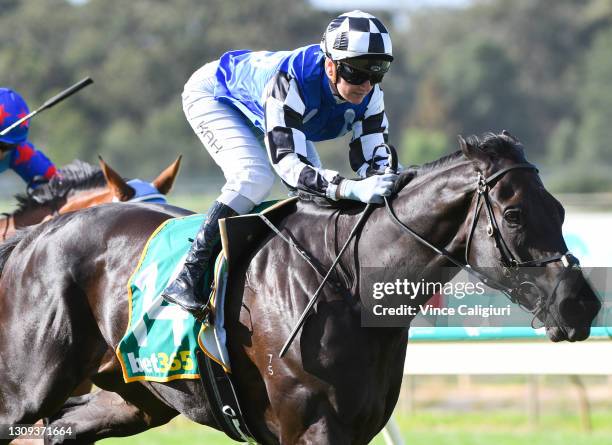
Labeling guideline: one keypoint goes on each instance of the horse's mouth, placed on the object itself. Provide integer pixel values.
(557, 334)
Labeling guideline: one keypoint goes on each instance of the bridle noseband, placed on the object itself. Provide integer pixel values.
(510, 263)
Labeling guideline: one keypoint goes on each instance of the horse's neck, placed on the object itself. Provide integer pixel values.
(435, 206)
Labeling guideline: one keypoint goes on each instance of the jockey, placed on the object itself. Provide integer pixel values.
(287, 100)
(16, 151)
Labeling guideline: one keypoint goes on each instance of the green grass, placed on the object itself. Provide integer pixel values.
(431, 428)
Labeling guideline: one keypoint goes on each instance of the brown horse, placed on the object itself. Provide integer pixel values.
(63, 305)
(79, 185)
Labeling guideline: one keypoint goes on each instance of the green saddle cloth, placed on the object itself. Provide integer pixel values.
(161, 338)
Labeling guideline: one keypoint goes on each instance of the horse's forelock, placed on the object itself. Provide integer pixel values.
(499, 146)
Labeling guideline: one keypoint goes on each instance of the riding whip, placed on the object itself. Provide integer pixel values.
(49, 103)
(392, 168)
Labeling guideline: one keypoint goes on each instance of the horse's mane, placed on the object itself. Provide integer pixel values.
(496, 146)
(75, 176)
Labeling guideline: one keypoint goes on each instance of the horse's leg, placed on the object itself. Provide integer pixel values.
(50, 343)
(83, 389)
(103, 414)
(34, 384)
(28, 402)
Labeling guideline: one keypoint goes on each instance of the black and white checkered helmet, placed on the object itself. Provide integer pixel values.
(355, 34)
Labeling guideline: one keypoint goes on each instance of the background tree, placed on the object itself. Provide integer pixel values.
(539, 68)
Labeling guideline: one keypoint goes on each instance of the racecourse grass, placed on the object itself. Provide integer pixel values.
(430, 428)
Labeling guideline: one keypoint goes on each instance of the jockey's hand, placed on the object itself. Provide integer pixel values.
(369, 190)
(381, 170)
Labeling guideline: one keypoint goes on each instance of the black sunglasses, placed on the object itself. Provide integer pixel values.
(366, 70)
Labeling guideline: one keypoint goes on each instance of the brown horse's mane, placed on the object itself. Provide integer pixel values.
(494, 145)
(75, 176)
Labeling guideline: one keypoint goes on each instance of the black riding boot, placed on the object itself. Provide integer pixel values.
(186, 289)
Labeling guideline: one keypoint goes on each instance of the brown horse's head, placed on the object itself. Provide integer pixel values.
(118, 189)
(80, 185)
(516, 237)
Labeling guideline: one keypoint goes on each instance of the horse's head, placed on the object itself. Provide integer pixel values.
(118, 189)
(81, 185)
(514, 235)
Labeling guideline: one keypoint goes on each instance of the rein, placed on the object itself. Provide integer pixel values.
(366, 212)
(391, 168)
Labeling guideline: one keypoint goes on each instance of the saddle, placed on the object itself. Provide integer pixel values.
(240, 236)
(162, 342)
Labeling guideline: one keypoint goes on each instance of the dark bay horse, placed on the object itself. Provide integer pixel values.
(63, 304)
(80, 185)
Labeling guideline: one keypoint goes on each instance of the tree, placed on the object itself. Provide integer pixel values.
(595, 103)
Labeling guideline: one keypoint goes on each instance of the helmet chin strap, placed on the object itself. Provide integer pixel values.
(333, 81)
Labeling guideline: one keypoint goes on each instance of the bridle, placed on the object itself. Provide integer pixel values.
(519, 284)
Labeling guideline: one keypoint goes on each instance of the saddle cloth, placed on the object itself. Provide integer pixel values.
(161, 338)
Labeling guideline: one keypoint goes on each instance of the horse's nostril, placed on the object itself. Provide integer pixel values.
(577, 312)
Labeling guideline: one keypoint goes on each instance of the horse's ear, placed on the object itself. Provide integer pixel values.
(121, 189)
(510, 136)
(472, 152)
(165, 180)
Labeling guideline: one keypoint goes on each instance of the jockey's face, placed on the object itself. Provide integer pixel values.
(354, 94)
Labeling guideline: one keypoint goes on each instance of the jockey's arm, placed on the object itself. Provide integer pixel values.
(32, 165)
(286, 142)
(368, 134)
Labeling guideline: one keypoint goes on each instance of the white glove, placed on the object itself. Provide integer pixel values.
(369, 190)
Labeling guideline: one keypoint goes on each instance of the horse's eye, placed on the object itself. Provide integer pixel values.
(513, 217)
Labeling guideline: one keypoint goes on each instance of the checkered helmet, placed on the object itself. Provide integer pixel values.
(355, 34)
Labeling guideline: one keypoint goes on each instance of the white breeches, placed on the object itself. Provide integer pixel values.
(234, 143)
